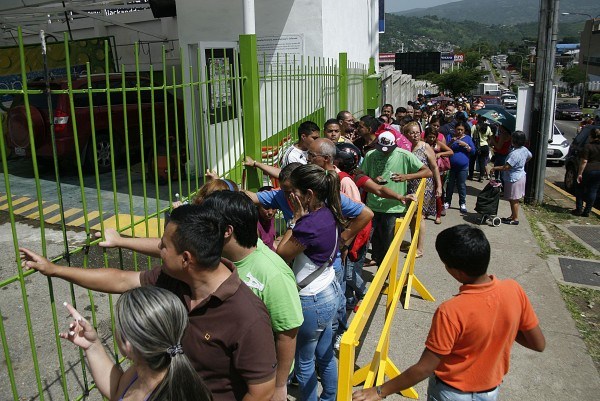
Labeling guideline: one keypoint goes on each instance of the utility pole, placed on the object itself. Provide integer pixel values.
(541, 114)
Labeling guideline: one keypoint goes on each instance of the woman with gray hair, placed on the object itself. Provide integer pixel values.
(149, 325)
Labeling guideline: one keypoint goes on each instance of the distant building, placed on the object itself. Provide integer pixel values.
(589, 55)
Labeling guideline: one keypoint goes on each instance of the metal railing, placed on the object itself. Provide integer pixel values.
(112, 150)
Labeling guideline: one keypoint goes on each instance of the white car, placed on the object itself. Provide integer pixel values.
(558, 147)
(509, 100)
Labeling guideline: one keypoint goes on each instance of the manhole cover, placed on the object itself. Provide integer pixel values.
(580, 271)
(588, 234)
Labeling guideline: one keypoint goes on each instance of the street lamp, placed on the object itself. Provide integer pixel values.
(587, 64)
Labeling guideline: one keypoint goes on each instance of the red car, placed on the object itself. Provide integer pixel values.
(126, 121)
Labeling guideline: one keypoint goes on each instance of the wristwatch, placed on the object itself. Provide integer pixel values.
(378, 389)
(291, 224)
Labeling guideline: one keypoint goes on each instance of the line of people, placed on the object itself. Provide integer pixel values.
(253, 320)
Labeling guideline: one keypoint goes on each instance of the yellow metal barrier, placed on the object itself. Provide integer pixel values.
(381, 365)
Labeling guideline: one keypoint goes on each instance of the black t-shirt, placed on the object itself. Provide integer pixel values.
(591, 153)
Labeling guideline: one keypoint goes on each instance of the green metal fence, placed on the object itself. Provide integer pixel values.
(112, 150)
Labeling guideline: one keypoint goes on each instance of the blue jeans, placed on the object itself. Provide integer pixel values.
(588, 190)
(458, 178)
(355, 285)
(440, 391)
(340, 323)
(315, 341)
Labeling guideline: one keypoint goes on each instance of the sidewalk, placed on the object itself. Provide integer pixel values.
(564, 371)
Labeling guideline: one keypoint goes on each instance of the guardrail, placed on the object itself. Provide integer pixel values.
(381, 365)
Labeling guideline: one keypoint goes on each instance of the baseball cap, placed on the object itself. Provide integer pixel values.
(386, 141)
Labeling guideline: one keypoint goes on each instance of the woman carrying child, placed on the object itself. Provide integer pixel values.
(149, 325)
(514, 175)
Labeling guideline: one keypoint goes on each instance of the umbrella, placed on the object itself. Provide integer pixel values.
(500, 115)
(442, 99)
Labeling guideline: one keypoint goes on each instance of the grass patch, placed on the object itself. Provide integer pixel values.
(550, 216)
(583, 303)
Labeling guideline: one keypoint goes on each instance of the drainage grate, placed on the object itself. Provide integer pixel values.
(580, 271)
(588, 234)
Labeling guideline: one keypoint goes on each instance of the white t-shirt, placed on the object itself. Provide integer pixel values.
(293, 154)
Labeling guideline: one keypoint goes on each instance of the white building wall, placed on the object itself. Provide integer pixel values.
(351, 27)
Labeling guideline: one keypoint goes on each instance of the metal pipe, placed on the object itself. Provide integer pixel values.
(249, 18)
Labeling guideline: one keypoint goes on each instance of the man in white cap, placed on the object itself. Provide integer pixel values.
(390, 166)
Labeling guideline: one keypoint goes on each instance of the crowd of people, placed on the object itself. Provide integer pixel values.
(252, 311)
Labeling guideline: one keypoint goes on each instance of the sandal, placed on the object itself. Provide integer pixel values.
(512, 222)
(438, 220)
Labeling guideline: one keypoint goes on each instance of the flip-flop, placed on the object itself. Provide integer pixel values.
(512, 222)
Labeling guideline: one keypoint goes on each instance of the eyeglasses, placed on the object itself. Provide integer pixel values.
(311, 154)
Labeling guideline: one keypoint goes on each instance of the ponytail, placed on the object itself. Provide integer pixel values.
(154, 320)
(333, 196)
(324, 184)
(181, 383)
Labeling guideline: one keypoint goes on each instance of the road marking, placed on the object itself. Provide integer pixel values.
(26, 207)
(14, 202)
(46, 211)
(78, 222)
(67, 213)
(138, 221)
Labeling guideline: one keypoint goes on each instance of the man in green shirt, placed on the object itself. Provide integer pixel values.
(267, 275)
(393, 167)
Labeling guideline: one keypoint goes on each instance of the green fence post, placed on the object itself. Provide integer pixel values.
(343, 66)
(250, 106)
(371, 89)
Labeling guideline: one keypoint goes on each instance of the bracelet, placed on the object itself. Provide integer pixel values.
(291, 224)
(254, 164)
(378, 389)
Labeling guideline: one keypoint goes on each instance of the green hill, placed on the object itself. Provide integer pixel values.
(432, 33)
(503, 12)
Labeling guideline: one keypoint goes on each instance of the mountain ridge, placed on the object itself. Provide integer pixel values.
(503, 12)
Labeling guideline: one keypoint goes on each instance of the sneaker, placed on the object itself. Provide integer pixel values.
(463, 209)
(446, 206)
(336, 343)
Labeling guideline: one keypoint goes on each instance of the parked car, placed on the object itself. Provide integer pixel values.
(509, 100)
(558, 147)
(129, 118)
(573, 160)
(567, 111)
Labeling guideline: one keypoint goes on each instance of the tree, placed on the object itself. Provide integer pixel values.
(457, 81)
(573, 76)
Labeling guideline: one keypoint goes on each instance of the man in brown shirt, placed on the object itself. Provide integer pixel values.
(229, 338)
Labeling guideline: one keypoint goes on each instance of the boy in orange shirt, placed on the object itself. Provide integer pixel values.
(467, 351)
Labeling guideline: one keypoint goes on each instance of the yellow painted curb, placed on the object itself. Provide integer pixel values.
(568, 195)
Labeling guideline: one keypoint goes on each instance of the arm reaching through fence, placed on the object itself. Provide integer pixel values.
(114, 281)
(147, 246)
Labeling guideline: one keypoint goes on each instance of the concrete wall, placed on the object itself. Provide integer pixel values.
(351, 27)
(398, 88)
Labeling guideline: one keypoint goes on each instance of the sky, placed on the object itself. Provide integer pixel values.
(402, 5)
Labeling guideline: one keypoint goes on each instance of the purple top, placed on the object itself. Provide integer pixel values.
(316, 231)
(266, 232)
